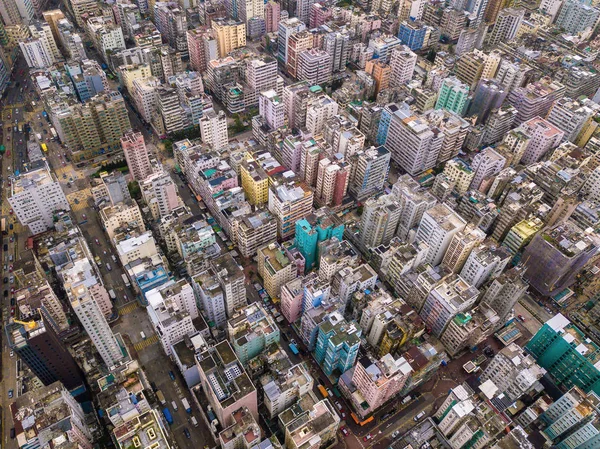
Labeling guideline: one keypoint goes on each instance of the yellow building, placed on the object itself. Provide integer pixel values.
(255, 182)
(522, 233)
(130, 73)
(276, 268)
(229, 34)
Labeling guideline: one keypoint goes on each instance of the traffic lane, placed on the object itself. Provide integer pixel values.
(157, 366)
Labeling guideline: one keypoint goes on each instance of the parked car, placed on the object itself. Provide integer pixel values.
(367, 437)
(10, 394)
(171, 375)
(345, 431)
(187, 433)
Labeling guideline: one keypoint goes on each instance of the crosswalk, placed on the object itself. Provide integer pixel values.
(145, 343)
(127, 309)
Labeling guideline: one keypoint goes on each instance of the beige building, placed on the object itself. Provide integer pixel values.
(131, 72)
(121, 216)
(229, 34)
(310, 424)
(254, 231)
(276, 268)
(289, 202)
(458, 171)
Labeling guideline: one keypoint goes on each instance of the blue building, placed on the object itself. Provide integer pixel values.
(386, 118)
(337, 344)
(312, 230)
(151, 278)
(412, 34)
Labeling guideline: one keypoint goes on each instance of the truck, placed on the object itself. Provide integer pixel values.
(294, 349)
(44, 114)
(186, 405)
(125, 280)
(142, 335)
(174, 404)
(323, 391)
(98, 261)
(161, 397)
(194, 421)
(108, 267)
(53, 132)
(167, 415)
(114, 258)
(39, 136)
(112, 295)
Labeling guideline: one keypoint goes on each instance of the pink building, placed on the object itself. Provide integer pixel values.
(291, 300)
(544, 137)
(374, 384)
(368, 25)
(319, 14)
(136, 155)
(272, 16)
(202, 47)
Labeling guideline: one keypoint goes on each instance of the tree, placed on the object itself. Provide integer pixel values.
(134, 190)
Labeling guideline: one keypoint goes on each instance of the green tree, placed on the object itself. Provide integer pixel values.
(134, 190)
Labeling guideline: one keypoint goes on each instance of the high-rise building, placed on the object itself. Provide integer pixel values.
(411, 141)
(93, 321)
(50, 410)
(229, 34)
(249, 9)
(338, 45)
(413, 34)
(447, 300)
(289, 201)
(213, 129)
(381, 73)
(469, 68)
(485, 165)
(504, 292)
(506, 26)
(535, 99)
(312, 230)
(557, 255)
(333, 176)
(576, 16)
(297, 43)
(35, 196)
(437, 228)
(254, 231)
(521, 234)
(319, 15)
(39, 347)
(275, 268)
(286, 28)
(272, 16)
(402, 62)
(567, 354)
(485, 263)
(314, 66)
(453, 96)
(99, 123)
(160, 194)
(414, 201)
(136, 155)
(460, 248)
(44, 32)
(210, 294)
(337, 344)
(543, 137)
(572, 116)
(271, 108)
(488, 96)
(231, 278)
(251, 330)
(202, 47)
(36, 53)
(171, 20)
(369, 168)
(379, 220)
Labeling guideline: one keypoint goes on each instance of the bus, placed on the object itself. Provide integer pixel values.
(53, 132)
(323, 391)
(125, 280)
(294, 349)
(359, 422)
(4, 226)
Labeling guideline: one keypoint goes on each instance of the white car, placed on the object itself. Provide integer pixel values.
(12, 353)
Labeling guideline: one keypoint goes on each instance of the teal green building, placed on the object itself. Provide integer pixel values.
(568, 355)
(453, 96)
(311, 231)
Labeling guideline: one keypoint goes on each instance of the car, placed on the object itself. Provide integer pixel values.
(343, 415)
(12, 290)
(84, 216)
(5, 280)
(5, 247)
(97, 241)
(45, 131)
(12, 433)
(12, 353)
(11, 212)
(186, 432)
(522, 318)
(367, 437)
(12, 301)
(419, 416)
(396, 434)
(292, 341)
(8, 138)
(105, 252)
(10, 268)
(171, 375)
(5, 267)
(10, 394)
(6, 293)
(11, 239)
(345, 431)
(12, 311)
(12, 280)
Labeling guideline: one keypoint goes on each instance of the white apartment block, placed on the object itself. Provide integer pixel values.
(160, 194)
(213, 129)
(402, 62)
(318, 112)
(36, 54)
(170, 321)
(437, 227)
(139, 247)
(485, 165)
(34, 197)
(543, 137)
(271, 108)
(414, 201)
(283, 391)
(211, 296)
(144, 96)
(289, 202)
(43, 32)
